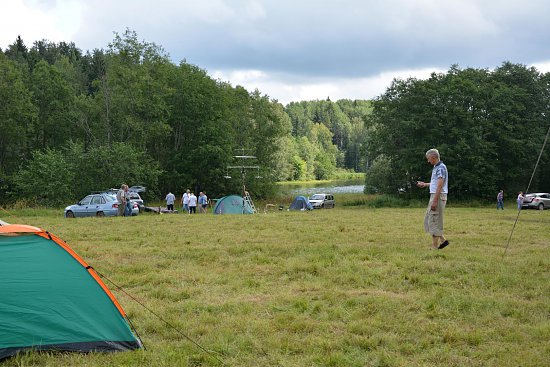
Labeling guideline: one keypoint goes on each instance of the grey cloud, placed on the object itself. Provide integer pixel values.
(338, 38)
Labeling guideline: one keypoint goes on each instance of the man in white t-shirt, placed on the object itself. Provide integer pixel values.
(185, 201)
(192, 203)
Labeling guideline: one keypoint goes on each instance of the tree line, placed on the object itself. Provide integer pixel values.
(489, 126)
(73, 122)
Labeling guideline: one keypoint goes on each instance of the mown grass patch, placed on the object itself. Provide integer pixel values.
(350, 286)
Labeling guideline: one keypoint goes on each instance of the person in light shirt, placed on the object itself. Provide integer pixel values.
(185, 201)
(439, 182)
(192, 203)
(170, 199)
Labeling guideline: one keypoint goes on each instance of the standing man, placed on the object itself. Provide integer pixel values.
(128, 209)
(192, 203)
(185, 201)
(121, 199)
(433, 221)
(203, 202)
(170, 198)
(500, 200)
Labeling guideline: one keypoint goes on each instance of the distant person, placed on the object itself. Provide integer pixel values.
(203, 202)
(121, 199)
(500, 200)
(520, 200)
(185, 201)
(192, 203)
(433, 220)
(128, 206)
(170, 199)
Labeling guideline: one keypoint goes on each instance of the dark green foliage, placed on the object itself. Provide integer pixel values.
(488, 126)
(17, 113)
(48, 179)
(128, 114)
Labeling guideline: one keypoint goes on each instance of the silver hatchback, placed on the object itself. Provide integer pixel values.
(539, 200)
(322, 201)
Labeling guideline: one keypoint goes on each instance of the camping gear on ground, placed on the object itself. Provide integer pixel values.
(51, 299)
(232, 204)
(300, 203)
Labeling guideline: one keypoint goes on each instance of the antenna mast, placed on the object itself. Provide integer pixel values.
(243, 167)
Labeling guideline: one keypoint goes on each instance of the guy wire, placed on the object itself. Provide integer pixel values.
(526, 191)
(210, 353)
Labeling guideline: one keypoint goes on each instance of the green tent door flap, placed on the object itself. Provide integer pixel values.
(51, 299)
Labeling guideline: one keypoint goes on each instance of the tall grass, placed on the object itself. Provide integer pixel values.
(350, 286)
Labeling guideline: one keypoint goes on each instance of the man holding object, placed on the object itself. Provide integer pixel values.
(433, 221)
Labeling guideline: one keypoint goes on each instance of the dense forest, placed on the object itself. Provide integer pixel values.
(72, 122)
(75, 122)
(489, 126)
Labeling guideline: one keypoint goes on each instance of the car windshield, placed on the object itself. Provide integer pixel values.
(317, 197)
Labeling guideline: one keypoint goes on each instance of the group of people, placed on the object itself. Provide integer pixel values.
(124, 203)
(189, 202)
(500, 200)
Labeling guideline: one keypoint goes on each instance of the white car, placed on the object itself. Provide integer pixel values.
(319, 201)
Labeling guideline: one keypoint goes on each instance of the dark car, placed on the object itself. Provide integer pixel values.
(539, 200)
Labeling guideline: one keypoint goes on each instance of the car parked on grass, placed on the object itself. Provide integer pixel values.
(135, 198)
(96, 205)
(539, 200)
(322, 201)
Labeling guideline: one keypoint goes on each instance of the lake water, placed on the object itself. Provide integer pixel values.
(333, 187)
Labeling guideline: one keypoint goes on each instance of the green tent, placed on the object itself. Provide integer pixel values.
(51, 299)
(232, 204)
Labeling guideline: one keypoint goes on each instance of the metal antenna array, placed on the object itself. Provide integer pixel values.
(243, 167)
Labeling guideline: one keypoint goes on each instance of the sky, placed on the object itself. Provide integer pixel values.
(301, 49)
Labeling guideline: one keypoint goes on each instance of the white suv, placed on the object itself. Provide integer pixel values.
(322, 201)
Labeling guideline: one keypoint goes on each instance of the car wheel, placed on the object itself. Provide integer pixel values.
(69, 214)
(99, 214)
(541, 206)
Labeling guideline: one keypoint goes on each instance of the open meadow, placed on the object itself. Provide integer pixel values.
(350, 286)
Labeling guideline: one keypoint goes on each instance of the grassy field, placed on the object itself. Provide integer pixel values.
(350, 286)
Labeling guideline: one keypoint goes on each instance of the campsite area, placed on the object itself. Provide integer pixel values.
(350, 286)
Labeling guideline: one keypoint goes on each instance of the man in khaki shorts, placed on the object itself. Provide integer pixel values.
(433, 220)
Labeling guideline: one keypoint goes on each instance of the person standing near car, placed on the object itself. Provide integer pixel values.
(433, 220)
(520, 200)
(500, 200)
(128, 207)
(120, 197)
(170, 199)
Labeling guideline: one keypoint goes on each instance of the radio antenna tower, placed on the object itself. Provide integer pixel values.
(243, 167)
